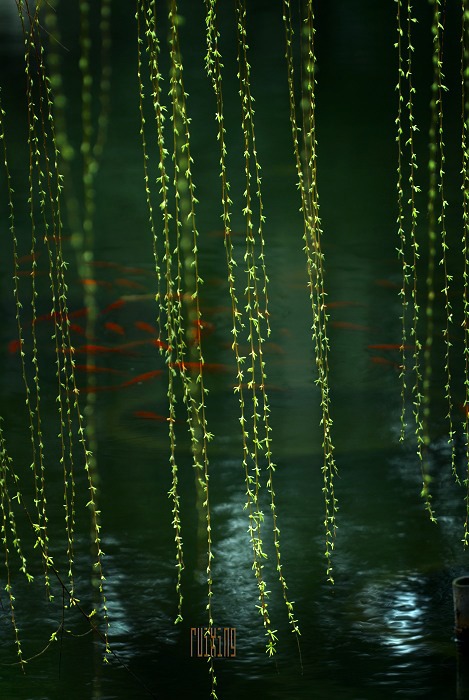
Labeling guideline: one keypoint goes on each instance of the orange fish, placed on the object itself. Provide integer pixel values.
(14, 346)
(138, 297)
(176, 295)
(88, 282)
(389, 284)
(204, 325)
(59, 316)
(143, 377)
(114, 328)
(104, 263)
(130, 284)
(118, 304)
(31, 273)
(150, 415)
(48, 317)
(390, 346)
(199, 326)
(78, 313)
(147, 341)
(273, 348)
(137, 271)
(76, 328)
(376, 360)
(57, 238)
(32, 257)
(122, 268)
(147, 327)
(348, 326)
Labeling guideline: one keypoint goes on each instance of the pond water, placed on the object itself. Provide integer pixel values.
(385, 628)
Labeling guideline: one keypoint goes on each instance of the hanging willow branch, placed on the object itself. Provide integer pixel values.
(146, 17)
(432, 241)
(181, 275)
(307, 185)
(194, 391)
(408, 249)
(414, 189)
(402, 253)
(9, 533)
(465, 238)
(45, 194)
(439, 88)
(213, 67)
(257, 298)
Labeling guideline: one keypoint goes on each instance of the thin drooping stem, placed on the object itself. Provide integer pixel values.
(213, 63)
(257, 295)
(465, 238)
(312, 231)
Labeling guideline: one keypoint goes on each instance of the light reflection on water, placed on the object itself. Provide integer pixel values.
(396, 612)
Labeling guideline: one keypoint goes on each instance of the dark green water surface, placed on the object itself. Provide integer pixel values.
(385, 629)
